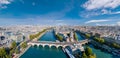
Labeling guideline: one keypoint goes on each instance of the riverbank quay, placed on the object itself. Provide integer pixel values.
(36, 39)
(22, 51)
(16, 55)
(105, 48)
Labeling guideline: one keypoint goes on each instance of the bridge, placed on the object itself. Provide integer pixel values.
(57, 44)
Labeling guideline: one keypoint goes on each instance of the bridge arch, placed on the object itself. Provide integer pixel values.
(56, 44)
(53, 46)
(60, 47)
(46, 46)
(41, 46)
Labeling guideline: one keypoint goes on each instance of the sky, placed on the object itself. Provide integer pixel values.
(60, 12)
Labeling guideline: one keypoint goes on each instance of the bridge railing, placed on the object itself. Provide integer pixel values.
(62, 43)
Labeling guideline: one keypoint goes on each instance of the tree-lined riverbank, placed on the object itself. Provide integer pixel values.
(24, 48)
(45, 52)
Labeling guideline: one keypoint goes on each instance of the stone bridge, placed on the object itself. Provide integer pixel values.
(57, 44)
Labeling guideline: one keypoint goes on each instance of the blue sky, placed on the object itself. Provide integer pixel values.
(60, 12)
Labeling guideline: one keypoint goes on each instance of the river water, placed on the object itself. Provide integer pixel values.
(98, 52)
(46, 52)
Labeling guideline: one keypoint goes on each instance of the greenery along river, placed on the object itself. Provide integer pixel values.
(98, 52)
(46, 52)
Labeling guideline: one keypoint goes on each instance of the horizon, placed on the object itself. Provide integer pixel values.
(60, 12)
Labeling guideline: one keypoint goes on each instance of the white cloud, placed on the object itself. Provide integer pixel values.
(104, 11)
(118, 23)
(98, 4)
(105, 24)
(88, 14)
(4, 2)
(100, 7)
(96, 21)
(109, 12)
(118, 12)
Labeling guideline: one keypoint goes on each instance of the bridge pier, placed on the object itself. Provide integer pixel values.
(43, 45)
(33, 44)
(57, 46)
(38, 45)
(50, 46)
(64, 46)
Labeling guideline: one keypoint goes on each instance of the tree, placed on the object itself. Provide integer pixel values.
(100, 40)
(8, 56)
(115, 45)
(33, 36)
(88, 51)
(75, 36)
(11, 52)
(24, 45)
(87, 36)
(97, 34)
(16, 51)
(92, 56)
(14, 44)
(2, 53)
(84, 55)
(59, 37)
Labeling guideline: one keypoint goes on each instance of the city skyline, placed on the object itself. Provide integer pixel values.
(60, 12)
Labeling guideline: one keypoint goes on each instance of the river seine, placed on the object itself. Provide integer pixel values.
(46, 52)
